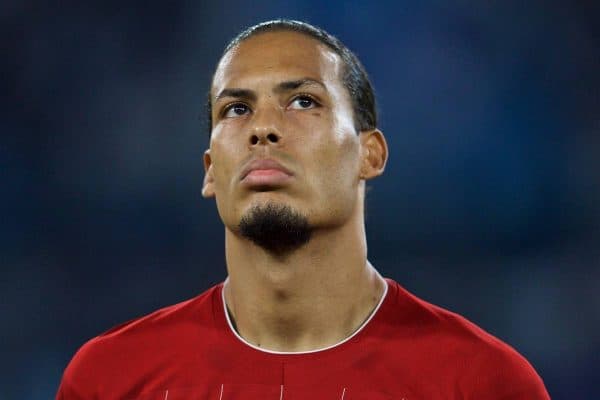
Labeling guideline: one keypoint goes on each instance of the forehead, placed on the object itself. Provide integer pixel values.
(277, 55)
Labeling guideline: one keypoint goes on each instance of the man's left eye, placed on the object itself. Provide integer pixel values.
(302, 103)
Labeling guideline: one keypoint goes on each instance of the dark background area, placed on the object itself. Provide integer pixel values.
(490, 205)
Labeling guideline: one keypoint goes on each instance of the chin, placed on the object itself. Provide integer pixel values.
(276, 227)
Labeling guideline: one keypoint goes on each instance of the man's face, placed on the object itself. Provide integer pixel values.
(283, 132)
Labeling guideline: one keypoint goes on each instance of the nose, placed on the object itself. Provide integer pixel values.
(265, 129)
(261, 138)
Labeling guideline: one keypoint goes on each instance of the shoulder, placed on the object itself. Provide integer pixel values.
(482, 363)
(138, 342)
(199, 310)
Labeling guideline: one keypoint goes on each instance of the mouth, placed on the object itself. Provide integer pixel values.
(265, 173)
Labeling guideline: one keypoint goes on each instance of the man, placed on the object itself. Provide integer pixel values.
(302, 314)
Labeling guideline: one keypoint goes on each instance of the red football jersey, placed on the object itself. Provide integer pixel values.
(408, 349)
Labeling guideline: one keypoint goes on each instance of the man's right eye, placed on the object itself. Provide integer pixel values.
(235, 110)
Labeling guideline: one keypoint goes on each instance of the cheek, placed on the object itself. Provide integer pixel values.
(338, 164)
(345, 149)
(223, 169)
(222, 164)
(226, 142)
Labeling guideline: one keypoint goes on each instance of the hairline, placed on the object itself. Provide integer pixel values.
(348, 60)
(341, 72)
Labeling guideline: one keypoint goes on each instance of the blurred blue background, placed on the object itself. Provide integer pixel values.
(490, 205)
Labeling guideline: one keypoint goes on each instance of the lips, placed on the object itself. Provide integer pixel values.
(265, 172)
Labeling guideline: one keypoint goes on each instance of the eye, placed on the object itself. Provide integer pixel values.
(235, 110)
(303, 103)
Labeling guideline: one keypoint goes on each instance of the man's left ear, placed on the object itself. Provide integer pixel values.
(373, 152)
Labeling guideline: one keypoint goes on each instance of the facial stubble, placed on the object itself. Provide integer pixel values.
(277, 228)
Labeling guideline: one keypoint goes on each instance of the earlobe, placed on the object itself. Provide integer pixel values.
(374, 153)
(208, 184)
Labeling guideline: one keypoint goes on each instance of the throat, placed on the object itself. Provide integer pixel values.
(292, 328)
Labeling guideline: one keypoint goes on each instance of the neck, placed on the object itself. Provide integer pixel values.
(313, 298)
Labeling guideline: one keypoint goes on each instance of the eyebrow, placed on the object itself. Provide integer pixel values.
(291, 85)
(281, 87)
(238, 93)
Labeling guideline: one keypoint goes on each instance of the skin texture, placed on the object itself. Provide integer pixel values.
(320, 293)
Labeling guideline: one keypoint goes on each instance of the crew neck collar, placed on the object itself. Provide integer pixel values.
(335, 345)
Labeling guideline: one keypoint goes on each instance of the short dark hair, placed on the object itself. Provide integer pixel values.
(354, 75)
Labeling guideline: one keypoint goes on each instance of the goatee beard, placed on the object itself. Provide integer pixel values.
(277, 228)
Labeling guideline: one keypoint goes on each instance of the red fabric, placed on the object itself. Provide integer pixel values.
(409, 350)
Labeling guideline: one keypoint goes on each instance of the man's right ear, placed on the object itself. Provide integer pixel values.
(208, 189)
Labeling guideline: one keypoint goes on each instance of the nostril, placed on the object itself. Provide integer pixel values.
(272, 137)
(254, 139)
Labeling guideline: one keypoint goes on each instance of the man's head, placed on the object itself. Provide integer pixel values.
(284, 139)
